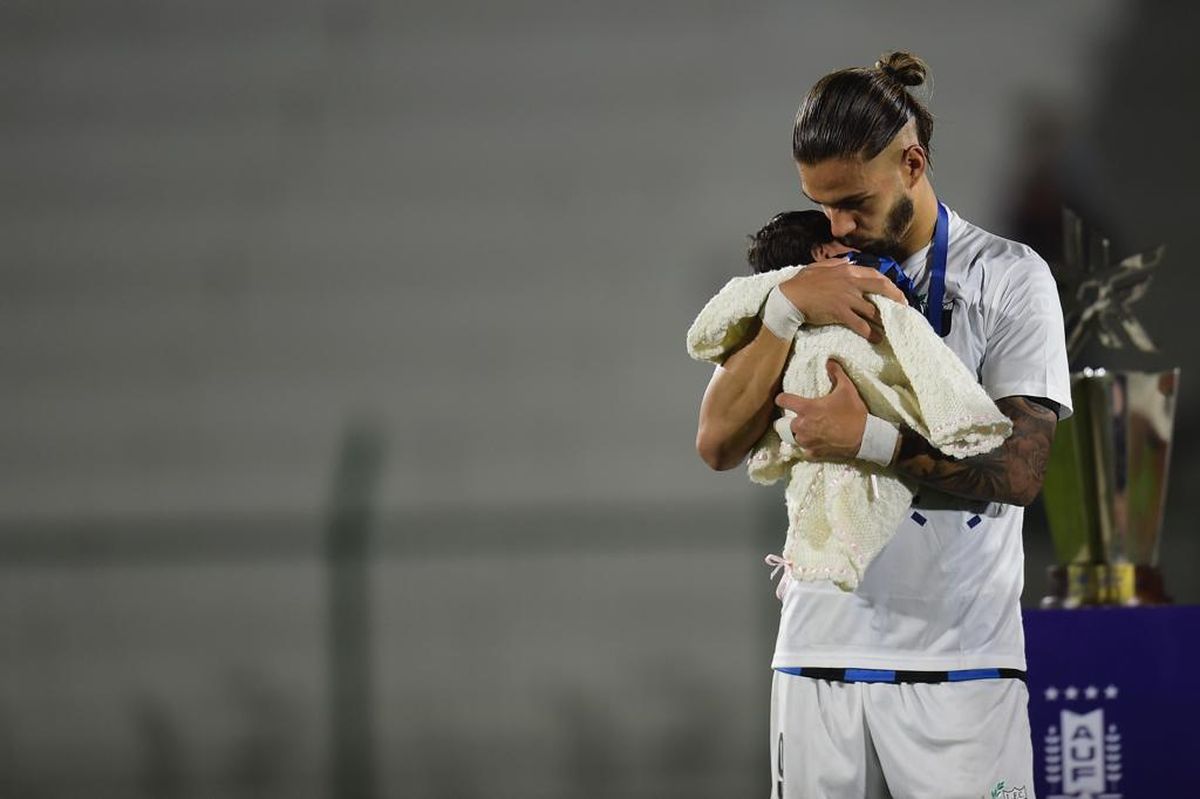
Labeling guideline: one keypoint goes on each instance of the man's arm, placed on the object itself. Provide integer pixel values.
(737, 405)
(1012, 473)
(831, 428)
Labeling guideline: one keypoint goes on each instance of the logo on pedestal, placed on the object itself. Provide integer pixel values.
(1083, 752)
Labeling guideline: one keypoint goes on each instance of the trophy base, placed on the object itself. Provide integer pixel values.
(1090, 584)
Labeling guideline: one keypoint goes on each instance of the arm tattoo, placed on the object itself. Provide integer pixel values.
(1011, 473)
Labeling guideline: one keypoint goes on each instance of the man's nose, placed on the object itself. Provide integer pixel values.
(841, 223)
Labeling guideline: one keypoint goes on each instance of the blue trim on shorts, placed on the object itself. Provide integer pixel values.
(973, 674)
(902, 677)
(870, 675)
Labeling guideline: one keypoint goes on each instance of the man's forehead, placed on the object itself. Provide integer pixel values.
(834, 180)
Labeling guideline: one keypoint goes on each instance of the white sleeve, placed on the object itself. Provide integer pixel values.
(1026, 352)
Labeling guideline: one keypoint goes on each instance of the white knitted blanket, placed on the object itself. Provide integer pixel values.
(840, 515)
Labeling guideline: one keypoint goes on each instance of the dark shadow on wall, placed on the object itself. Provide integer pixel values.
(161, 747)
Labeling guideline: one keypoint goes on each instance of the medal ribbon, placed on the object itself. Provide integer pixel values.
(937, 272)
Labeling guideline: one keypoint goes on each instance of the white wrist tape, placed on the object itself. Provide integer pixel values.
(783, 426)
(878, 441)
(780, 316)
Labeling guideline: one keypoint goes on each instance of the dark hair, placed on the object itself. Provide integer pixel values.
(857, 112)
(787, 240)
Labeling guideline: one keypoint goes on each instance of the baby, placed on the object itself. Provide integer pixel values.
(793, 238)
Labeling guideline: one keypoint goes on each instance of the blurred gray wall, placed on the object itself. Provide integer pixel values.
(233, 230)
(231, 226)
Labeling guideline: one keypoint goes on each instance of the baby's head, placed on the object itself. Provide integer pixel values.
(791, 238)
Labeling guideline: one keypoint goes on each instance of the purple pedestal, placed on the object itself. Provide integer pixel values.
(1114, 701)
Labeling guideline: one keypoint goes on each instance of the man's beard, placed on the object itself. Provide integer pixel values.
(899, 217)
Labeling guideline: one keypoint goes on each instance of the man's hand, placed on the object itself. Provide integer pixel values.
(830, 427)
(835, 293)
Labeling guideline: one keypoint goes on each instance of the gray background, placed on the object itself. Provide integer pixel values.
(235, 232)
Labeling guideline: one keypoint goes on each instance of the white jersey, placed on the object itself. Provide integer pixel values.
(944, 594)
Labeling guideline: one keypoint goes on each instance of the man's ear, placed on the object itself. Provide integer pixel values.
(913, 163)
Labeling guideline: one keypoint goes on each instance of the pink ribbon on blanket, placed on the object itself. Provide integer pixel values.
(778, 562)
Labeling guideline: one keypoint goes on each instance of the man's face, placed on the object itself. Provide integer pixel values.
(868, 204)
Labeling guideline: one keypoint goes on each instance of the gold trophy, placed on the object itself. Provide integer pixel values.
(1106, 484)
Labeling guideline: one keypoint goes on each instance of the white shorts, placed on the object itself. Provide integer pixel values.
(952, 740)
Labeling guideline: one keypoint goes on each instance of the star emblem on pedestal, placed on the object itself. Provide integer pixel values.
(1091, 692)
(1051, 694)
(1110, 692)
(1071, 693)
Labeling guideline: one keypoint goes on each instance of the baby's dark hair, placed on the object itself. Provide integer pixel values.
(787, 240)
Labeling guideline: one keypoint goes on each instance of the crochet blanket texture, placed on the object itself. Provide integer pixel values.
(841, 514)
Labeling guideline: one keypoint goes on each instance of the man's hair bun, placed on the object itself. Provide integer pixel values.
(857, 112)
(905, 68)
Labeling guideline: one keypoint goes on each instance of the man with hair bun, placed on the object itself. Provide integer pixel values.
(911, 685)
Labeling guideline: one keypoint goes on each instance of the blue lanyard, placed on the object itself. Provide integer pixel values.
(937, 272)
